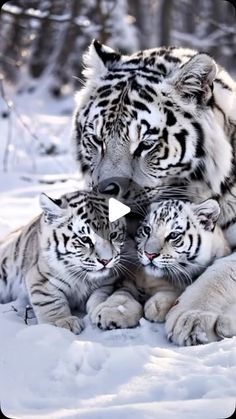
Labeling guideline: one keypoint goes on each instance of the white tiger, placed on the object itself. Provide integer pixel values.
(66, 261)
(165, 117)
(176, 242)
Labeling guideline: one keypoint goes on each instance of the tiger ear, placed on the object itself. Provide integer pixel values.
(53, 209)
(99, 58)
(207, 213)
(195, 78)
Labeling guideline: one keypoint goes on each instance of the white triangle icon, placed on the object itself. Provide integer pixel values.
(117, 209)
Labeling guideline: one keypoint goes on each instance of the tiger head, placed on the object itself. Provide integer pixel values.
(178, 240)
(76, 234)
(149, 118)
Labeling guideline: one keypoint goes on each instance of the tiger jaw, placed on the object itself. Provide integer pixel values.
(154, 267)
(99, 274)
(154, 270)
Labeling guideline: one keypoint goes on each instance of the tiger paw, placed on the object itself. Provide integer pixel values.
(72, 323)
(225, 326)
(117, 312)
(157, 307)
(191, 327)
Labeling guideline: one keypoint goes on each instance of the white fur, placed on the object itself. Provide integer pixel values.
(48, 262)
(160, 292)
(120, 310)
(194, 319)
(217, 128)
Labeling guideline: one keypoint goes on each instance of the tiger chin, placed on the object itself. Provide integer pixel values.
(176, 242)
(66, 262)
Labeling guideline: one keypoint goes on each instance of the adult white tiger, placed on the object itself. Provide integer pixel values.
(169, 114)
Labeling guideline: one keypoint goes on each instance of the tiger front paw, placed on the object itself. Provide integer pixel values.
(72, 323)
(225, 326)
(191, 327)
(157, 307)
(117, 312)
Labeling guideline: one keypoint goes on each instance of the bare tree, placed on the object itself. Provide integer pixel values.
(67, 47)
(45, 37)
(13, 38)
(50, 36)
(166, 23)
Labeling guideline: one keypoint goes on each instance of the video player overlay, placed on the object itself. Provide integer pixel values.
(124, 198)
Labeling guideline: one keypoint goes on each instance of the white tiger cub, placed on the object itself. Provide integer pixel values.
(176, 242)
(65, 258)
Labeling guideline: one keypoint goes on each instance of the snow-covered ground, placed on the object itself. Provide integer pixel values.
(47, 372)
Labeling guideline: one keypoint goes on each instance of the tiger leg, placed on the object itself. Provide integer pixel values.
(197, 316)
(98, 297)
(157, 307)
(50, 303)
(225, 324)
(119, 310)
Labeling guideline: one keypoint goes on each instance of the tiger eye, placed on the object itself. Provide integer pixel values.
(86, 240)
(147, 229)
(113, 235)
(173, 235)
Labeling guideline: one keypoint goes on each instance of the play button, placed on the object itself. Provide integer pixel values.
(117, 209)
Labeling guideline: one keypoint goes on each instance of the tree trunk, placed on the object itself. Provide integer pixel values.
(13, 43)
(165, 20)
(67, 45)
(45, 41)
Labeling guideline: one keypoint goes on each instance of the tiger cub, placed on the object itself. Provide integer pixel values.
(176, 241)
(61, 257)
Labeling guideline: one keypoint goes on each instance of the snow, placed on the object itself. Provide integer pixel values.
(34, 13)
(47, 372)
(53, 373)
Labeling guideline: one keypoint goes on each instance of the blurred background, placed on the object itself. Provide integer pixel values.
(41, 48)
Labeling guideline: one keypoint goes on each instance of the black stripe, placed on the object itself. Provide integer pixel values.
(170, 118)
(45, 303)
(197, 249)
(16, 250)
(141, 106)
(4, 270)
(191, 241)
(200, 152)
(45, 279)
(65, 239)
(103, 103)
(181, 137)
(229, 223)
(58, 255)
(64, 282)
(141, 147)
(223, 84)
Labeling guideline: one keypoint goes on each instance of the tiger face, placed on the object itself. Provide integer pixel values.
(148, 118)
(176, 239)
(78, 235)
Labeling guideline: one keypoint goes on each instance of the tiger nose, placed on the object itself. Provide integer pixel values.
(109, 188)
(104, 262)
(151, 256)
(113, 186)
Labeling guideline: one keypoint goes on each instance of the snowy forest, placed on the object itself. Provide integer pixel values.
(41, 48)
(48, 36)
